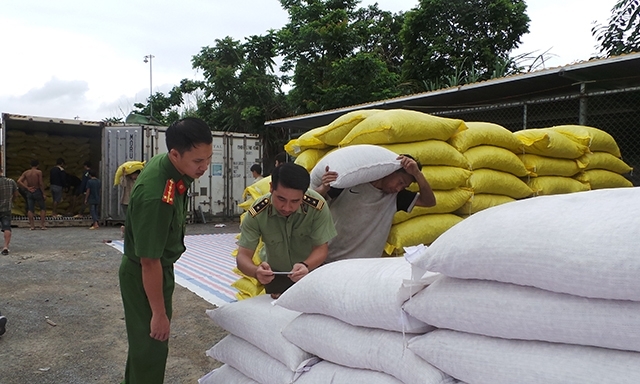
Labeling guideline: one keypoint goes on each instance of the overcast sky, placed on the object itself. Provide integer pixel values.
(85, 59)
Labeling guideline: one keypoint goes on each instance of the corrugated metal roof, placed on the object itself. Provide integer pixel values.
(599, 74)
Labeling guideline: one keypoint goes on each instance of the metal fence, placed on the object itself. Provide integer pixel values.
(616, 112)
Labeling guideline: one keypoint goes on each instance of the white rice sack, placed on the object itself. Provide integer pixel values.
(583, 243)
(328, 373)
(363, 348)
(252, 361)
(248, 320)
(512, 311)
(481, 359)
(356, 164)
(226, 374)
(361, 292)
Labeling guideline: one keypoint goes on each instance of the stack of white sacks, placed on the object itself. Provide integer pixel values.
(542, 290)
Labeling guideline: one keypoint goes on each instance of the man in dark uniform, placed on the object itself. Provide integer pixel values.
(153, 242)
(295, 224)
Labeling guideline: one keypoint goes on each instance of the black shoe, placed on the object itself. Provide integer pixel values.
(5, 251)
(3, 323)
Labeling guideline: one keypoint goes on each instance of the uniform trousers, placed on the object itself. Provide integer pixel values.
(147, 357)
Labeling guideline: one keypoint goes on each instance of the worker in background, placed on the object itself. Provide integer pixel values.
(256, 171)
(363, 214)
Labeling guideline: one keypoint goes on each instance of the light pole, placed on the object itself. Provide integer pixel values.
(149, 59)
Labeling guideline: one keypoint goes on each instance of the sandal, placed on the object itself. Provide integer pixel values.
(5, 251)
(32, 228)
(43, 228)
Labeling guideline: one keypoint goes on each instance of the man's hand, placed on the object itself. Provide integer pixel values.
(327, 178)
(409, 165)
(264, 274)
(160, 327)
(298, 272)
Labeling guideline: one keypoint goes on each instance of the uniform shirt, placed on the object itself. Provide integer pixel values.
(8, 188)
(363, 216)
(287, 240)
(156, 217)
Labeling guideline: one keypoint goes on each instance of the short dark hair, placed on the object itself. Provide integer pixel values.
(93, 173)
(290, 175)
(87, 164)
(60, 161)
(281, 157)
(35, 163)
(256, 168)
(185, 134)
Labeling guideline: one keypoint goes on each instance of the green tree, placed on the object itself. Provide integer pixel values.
(165, 107)
(622, 34)
(338, 54)
(449, 41)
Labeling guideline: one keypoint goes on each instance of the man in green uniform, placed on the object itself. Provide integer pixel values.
(295, 225)
(153, 242)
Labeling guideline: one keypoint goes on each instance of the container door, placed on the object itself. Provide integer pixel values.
(208, 190)
(244, 151)
(120, 144)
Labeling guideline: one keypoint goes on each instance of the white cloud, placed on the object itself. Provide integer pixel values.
(70, 58)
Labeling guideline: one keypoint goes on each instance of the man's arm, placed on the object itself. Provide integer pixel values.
(245, 264)
(21, 180)
(152, 282)
(426, 198)
(317, 256)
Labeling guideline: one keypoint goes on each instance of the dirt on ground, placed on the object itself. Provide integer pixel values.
(59, 290)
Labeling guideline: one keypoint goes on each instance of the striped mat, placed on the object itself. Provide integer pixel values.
(206, 266)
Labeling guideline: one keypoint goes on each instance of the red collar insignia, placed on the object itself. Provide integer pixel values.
(181, 187)
(169, 192)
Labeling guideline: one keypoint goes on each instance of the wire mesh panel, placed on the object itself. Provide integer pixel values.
(616, 112)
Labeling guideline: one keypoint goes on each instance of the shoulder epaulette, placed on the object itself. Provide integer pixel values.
(169, 192)
(312, 201)
(259, 207)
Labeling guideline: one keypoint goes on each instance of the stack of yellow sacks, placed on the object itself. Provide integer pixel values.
(404, 132)
(571, 158)
(490, 151)
(21, 148)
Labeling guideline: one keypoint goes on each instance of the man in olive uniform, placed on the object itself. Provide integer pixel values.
(295, 225)
(153, 242)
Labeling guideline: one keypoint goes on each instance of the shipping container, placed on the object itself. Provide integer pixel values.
(26, 138)
(219, 191)
(122, 144)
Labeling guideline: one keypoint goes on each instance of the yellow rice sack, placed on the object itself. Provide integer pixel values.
(498, 183)
(482, 201)
(550, 166)
(497, 158)
(446, 202)
(597, 139)
(481, 133)
(431, 152)
(604, 160)
(443, 177)
(333, 133)
(423, 229)
(546, 142)
(310, 157)
(257, 189)
(402, 126)
(556, 185)
(306, 141)
(601, 178)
